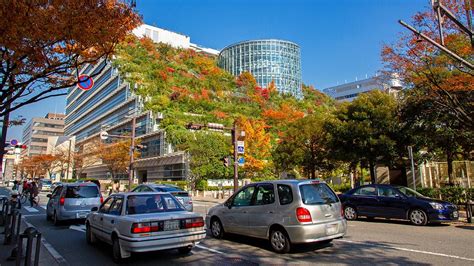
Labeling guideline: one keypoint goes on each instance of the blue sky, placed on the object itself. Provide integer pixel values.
(339, 39)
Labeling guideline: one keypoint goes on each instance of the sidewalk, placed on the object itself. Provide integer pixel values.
(209, 199)
(5, 250)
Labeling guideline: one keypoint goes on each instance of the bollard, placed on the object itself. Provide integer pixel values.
(469, 210)
(30, 234)
(3, 215)
(12, 227)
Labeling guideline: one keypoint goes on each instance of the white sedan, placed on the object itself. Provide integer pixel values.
(142, 222)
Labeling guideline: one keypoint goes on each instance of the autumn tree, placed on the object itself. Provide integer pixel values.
(44, 44)
(304, 144)
(422, 65)
(115, 156)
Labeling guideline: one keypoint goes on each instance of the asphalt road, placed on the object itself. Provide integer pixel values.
(377, 242)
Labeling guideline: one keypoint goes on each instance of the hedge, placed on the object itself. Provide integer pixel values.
(180, 184)
(342, 188)
(453, 194)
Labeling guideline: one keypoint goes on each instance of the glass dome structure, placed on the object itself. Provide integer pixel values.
(267, 60)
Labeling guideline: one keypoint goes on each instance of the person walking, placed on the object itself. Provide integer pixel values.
(33, 193)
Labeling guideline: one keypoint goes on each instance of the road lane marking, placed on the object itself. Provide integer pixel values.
(406, 249)
(80, 228)
(30, 209)
(52, 251)
(210, 249)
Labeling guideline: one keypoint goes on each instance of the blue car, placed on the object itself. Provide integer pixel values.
(396, 202)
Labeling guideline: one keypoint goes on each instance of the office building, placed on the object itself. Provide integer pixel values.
(267, 60)
(349, 91)
(111, 104)
(37, 131)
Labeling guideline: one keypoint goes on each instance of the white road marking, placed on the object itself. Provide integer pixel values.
(43, 206)
(80, 228)
(30, 209)
(210, 249)
(59, 259)
(407, 249)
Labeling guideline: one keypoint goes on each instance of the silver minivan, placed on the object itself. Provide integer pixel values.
(285, 212)
(72, 201)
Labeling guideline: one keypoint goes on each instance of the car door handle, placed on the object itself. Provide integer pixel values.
(112, 221)
(244, 211)
(270, 212)
(101, 218)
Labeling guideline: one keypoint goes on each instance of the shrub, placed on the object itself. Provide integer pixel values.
(181, 184)
(453, 194)
(342, 188)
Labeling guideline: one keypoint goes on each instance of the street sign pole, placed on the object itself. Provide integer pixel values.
(236, 163)
(132, 148)
(410, 154)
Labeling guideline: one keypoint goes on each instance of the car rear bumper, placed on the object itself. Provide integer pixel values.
(161, 243)
(307, 233)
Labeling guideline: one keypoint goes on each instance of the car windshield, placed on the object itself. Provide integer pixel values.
(152, 203)
(317, 193)
(410, 192)
(82, 192)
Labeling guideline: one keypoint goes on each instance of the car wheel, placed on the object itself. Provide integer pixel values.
(350, 213)
(116, 253)
(55, 219)
(217, 231)
(185, 250)
(90, 237)
(418, 217)
(280, 241)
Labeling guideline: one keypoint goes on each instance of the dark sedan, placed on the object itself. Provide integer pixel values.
(396, 202)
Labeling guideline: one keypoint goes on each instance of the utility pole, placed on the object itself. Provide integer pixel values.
(132, 149)
(410, 154)
(68, 159)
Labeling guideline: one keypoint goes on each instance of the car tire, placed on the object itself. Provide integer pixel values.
(56, 221)
(418, 217)
(350, 213)
(185, 250)
(116, 253)
(280, 241)
(217, 230)
(90, 237)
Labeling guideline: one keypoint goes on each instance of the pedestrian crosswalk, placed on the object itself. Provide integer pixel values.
(30, 209)
(80, 228)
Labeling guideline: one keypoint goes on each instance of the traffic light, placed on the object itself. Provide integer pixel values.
(225, 160)
(20, 147)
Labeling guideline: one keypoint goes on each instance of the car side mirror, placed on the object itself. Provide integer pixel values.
(94, 209)
(49, 195)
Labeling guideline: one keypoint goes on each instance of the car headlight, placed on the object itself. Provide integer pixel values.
(436, 206)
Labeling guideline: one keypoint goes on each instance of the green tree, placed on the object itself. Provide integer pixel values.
(361, 130)
(304, 144)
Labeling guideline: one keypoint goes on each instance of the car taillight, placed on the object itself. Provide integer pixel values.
(303, 215)
(195, 222)
(61, 201)
(101, 199)
(138, 228)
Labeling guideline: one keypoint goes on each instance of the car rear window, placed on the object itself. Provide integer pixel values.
(318, 193)
(139, 204)
(174, 190)
(82, 192)
(47, 182)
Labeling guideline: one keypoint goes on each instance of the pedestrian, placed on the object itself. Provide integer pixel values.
(15, 185)
(33, 193)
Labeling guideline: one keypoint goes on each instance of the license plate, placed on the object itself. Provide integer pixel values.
(171, 225)
(455, 214)
(331, 229)
(81, 215)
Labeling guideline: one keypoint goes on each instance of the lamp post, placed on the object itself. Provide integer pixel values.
(68, 159)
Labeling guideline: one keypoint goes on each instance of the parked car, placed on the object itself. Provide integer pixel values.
(396, 202)
(285, 212)
(181, 195)
(45, 184)
(142, 222)
(70, 201)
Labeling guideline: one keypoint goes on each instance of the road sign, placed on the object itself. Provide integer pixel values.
(13, 142)
(104, 135)
(241, 161)
(240, 147)
(85, 82)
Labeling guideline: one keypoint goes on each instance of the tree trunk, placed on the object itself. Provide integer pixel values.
(372, 172)
(449, 156)
(3, 138)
